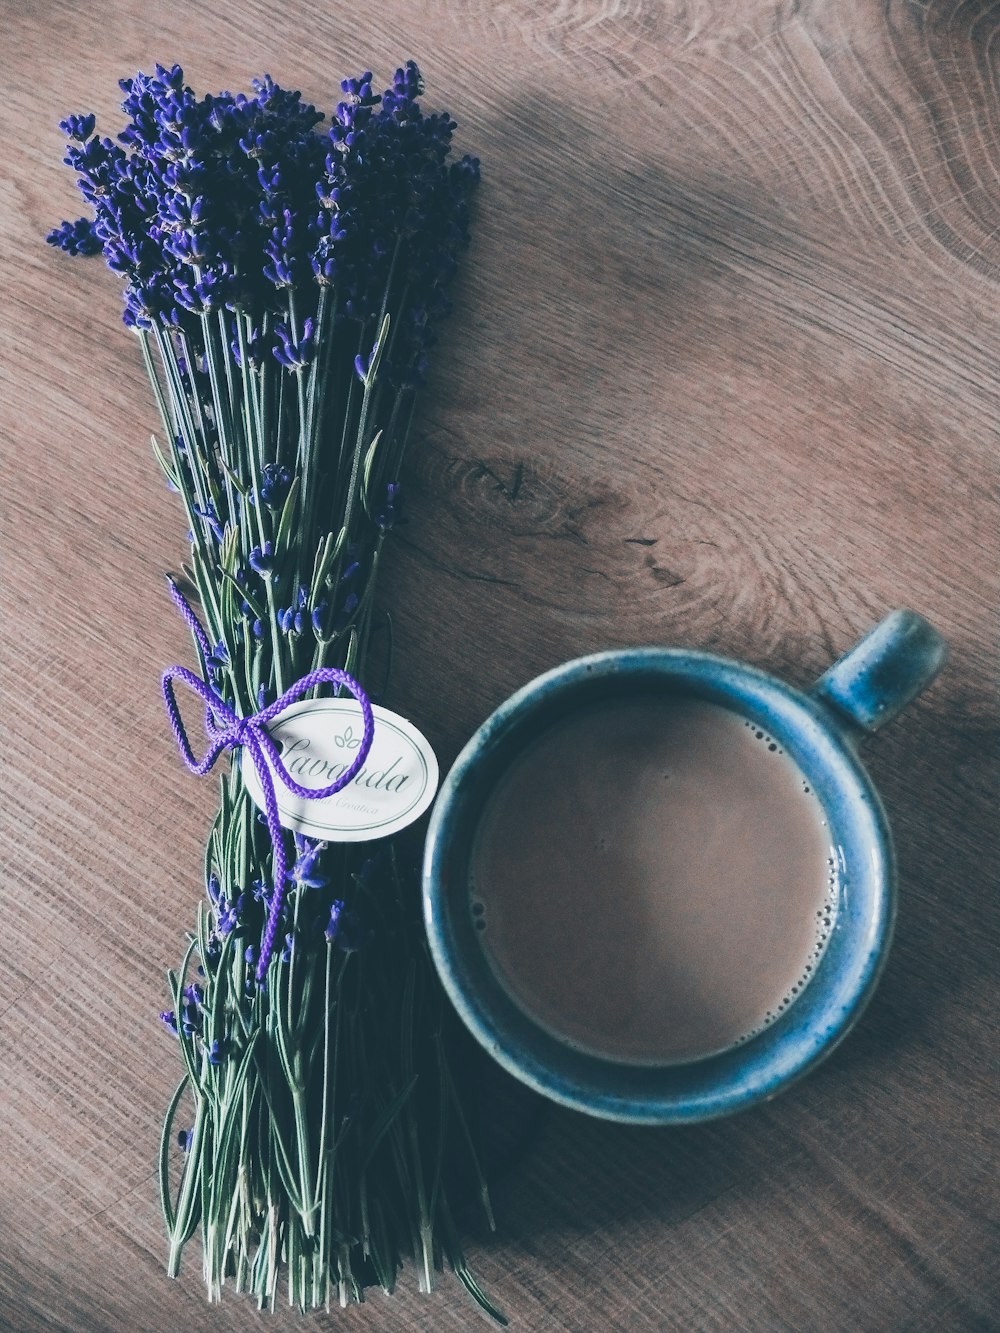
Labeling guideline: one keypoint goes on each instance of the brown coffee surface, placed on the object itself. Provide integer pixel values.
(651, 879)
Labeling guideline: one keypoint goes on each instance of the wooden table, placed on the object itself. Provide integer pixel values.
(722, 372)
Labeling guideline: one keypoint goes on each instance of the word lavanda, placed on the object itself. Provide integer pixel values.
(303, 765)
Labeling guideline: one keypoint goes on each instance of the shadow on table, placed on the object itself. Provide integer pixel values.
(936, 767)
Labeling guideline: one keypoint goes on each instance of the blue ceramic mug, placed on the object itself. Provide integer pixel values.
(819, 729)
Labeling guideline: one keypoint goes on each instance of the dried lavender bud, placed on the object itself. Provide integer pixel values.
(216, 1051)
(304, 872)
(294, 353)
(218, 658)
(78, 127)
(386, 517)
(76, 238)
(261, 559)
(229, 914)
(274, 483)
(344, 928)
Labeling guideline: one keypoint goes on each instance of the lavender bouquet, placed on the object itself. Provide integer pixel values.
(284, 282)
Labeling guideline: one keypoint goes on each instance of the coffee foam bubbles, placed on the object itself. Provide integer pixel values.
(826, 916)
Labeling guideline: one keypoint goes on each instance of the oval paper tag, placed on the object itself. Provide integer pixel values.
(319, 739)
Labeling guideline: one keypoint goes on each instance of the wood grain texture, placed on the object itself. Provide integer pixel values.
(722, 372)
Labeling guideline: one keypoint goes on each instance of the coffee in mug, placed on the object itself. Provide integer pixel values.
(653, 879)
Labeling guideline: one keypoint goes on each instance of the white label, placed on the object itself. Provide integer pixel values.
(319, 740)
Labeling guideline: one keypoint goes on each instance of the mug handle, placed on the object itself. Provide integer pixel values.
(883, 672)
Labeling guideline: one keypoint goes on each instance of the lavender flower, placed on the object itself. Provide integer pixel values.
(274, 484)
(76, 238)
(362, 366)
(207, 512)
(78, 127)
(218, 658)
(304, 873)
(294, 619)
(256, 348)
(294, 352)
(216, 1051)
(210, 203)
(342, 618)
(261, 559)
(344, 928)
(386, 517)
(229, 913)
(286, 248)
(302, 613)
(190, 1016)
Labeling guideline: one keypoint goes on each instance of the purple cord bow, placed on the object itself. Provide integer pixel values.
(252, 732)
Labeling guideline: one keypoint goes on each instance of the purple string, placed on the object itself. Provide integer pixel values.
(226, 729)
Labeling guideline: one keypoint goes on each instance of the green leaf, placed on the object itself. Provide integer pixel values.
(282, 540)
(384, 1122)
(245, 594)
(351, 656)
(238, 485)
(377, 351)
(461, 1270)
(229, 550)
(168, 470)
(176, 984)
(236, 1091)
(459, 1109)
(186, 1216)
(165, 1140)
(326, 553)
(366, 472)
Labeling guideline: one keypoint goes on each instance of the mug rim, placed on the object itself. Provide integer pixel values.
(761, 1066)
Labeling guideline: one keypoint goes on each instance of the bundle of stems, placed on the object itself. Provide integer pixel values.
(283, 283)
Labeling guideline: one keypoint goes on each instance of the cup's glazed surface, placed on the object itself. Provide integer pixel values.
(819, 729)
